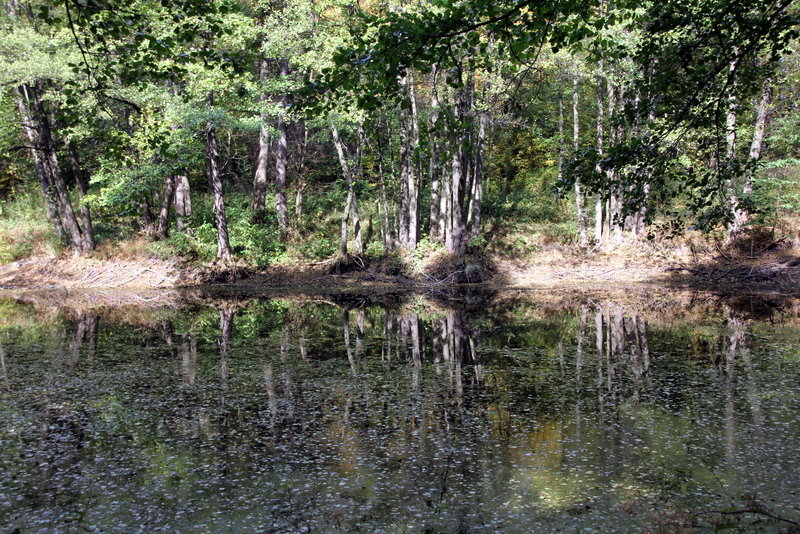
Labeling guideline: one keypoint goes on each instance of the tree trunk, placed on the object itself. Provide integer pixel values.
(598, 199)
(730, 150)
(476, 200)
(575, 143)
(183, 201)
(87, 234)
(260, 178)
(162, 227)
(383, 202)
(413, 193)
(51, 164)
(212, 165)
(456, 235)
(455, 241)
(730, 121)
(444, 193)
(40, 166)
(281, 159)
(301, 178)
(409, 141)
(762, 119)
(406, 172)
(351, 204)
(561, 141)
(741, 213)
(615, 201)
(434, 170)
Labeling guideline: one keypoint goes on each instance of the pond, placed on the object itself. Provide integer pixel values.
(401, 413)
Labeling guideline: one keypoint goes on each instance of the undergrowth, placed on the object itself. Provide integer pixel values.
(24, 227)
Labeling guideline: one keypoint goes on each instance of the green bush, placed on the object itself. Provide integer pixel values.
(318, 246)
(259, 244)
(24, 225)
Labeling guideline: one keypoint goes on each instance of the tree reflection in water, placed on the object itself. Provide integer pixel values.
(337, 413)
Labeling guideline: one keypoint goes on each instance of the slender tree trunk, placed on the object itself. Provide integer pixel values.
(183, 201)
(476, 201)
(301, 178)
(434, 170)
(351, 204)
(561, 141)
(444, 193)
(575, 144)
(413, 192)
(212, 164)
(450, 148)
(730, 122)
(82, 183)
(409, 142)
(260, 179)
(598, 199)
(741, 213)
(281, 159)
(730, 149)
(456, 235)
(468, 142)
(383, 203)
(162, 227)
(455, 241)
(406, 172)
(762, 119)
(359, 174)
(616, 221)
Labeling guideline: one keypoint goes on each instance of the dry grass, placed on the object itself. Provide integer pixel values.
(83, 272)
(760, 259)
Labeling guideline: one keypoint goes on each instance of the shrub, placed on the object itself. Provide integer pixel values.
(24, 226)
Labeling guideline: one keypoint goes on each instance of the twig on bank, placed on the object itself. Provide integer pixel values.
(434, 281)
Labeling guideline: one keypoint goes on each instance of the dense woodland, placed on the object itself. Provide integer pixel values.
(312, 129)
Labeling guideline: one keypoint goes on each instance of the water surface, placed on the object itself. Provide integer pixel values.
(400, 414)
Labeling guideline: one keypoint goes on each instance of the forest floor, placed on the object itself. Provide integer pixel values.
(758, 263)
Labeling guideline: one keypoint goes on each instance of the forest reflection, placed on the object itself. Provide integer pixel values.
(329, 412)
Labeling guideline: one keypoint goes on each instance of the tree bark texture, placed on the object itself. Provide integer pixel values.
(741, 214)
(351, 204)
(281, 159)
(434, 170)
(40, 166)
(167, 197)
(456, 236)
(40, 124)
(183, 201)
(260, 178)
(81, 181)
(598, 199)
(212, 164)
(575, 143)
(301, 177)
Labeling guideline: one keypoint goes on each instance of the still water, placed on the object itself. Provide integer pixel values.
(325, 413)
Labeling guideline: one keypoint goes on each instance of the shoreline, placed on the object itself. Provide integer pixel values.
(775, 276)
